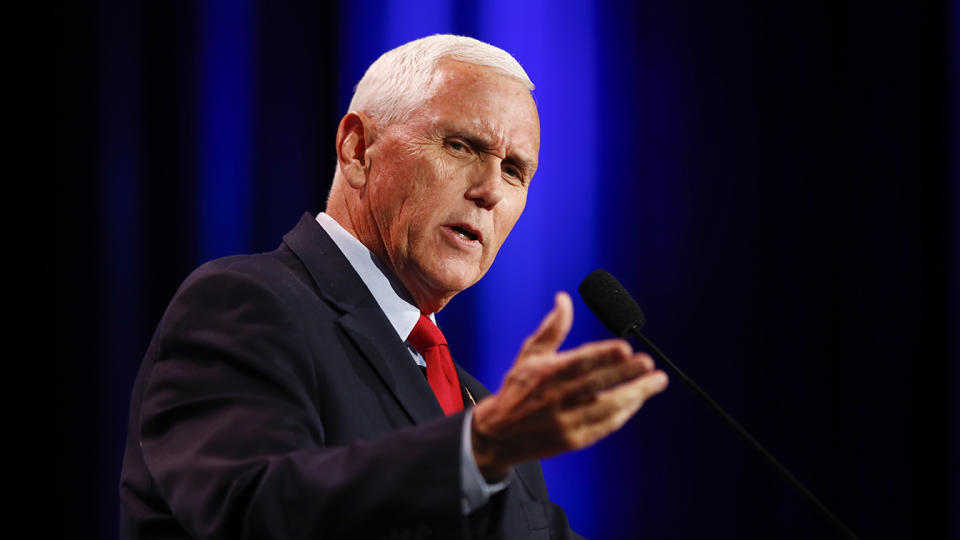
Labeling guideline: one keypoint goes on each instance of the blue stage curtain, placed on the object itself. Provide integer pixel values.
(777, 183)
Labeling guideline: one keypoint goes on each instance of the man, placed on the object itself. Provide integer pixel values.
(281, 396)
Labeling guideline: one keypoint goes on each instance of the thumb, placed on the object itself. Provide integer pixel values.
(553, 328)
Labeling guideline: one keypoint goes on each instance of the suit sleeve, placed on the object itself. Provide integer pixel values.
(233, 439)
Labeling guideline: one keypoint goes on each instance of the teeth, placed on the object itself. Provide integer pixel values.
(463, 233)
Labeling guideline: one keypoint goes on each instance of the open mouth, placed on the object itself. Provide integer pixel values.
(464, 232)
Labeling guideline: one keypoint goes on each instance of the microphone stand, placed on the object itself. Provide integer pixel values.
(822, 508)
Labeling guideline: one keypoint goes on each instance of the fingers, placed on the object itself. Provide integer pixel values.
(598, 367)
(611, 409)
(588, 357)
(553, 328)
(630, 396)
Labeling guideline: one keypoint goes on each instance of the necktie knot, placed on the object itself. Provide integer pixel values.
(425, 335)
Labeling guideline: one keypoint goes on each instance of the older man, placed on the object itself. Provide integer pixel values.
(307, 393)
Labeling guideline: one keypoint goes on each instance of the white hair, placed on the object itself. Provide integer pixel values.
(403, 79)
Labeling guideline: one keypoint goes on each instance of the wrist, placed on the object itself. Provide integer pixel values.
(487, 448)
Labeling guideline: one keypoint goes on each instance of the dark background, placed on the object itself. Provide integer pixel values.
(777, 183)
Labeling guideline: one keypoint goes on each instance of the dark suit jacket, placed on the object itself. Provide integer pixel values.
(277, 401)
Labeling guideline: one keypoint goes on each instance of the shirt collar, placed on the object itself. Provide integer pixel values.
(387, 290)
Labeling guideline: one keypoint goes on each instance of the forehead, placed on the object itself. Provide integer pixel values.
(484, 103)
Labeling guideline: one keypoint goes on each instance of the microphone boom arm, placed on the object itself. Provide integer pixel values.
(744, 434)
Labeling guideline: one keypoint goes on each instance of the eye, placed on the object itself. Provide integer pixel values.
(458, 145)
(513, 174)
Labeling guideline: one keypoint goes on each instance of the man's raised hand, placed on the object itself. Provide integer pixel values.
(553, 401)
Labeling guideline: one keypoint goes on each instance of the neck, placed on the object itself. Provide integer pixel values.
(427, 300)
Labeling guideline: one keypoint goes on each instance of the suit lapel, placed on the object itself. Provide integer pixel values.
(389, 357)
(362, 319)
(367, 326)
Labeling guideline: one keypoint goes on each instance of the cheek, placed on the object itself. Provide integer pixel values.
(414, 201)
(511, 209)
(433, 189)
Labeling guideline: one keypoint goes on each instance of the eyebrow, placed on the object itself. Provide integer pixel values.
(483, 143)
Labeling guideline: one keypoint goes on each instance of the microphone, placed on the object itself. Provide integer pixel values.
(611, 303)
(621, 314)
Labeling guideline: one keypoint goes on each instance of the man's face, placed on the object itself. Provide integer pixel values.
(446, 187)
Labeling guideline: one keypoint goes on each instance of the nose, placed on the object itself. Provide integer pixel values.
(486, 185)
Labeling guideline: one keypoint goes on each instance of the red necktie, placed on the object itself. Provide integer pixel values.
(428, 340)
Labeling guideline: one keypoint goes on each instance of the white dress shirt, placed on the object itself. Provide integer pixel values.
(403, 314)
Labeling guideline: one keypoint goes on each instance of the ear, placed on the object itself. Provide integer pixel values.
(354, 135)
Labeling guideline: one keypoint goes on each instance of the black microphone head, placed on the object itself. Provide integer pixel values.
(611, 303)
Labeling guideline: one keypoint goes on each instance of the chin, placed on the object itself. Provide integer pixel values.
(453, 279)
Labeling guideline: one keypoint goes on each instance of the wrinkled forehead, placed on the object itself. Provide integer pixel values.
(485, 103)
